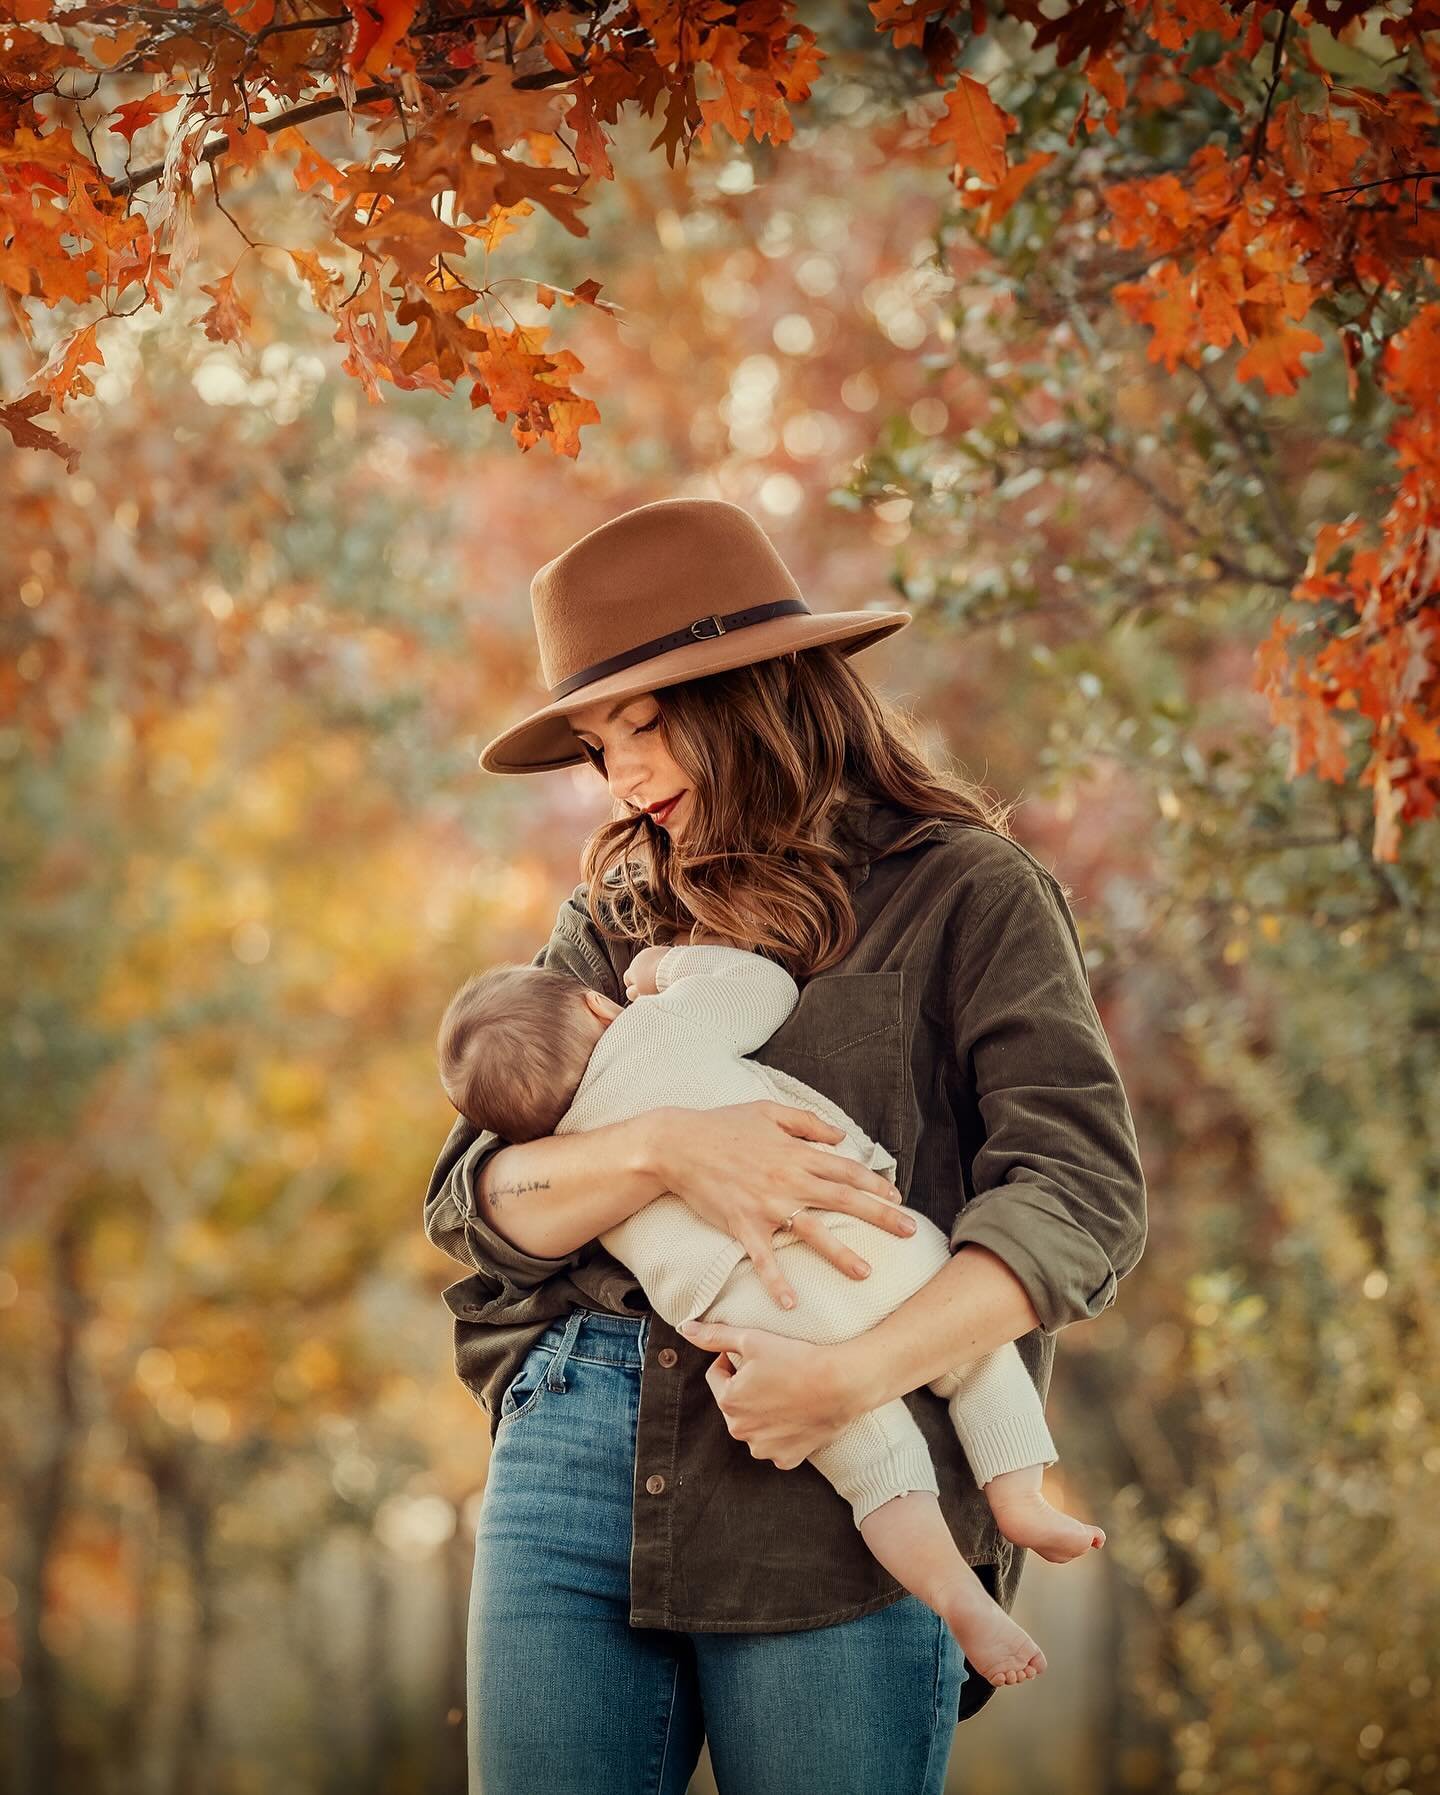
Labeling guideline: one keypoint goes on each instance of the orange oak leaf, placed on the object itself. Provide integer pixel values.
(1174, 23)
(248, 144)
(1274, 359)
(311, 168)
(110, 50)
(587, 293)
(324, 286)
(1163, 301)
(228, 320)
(511, 371)
(1109, 83)
(63, 376)
(976, 127)
(590, 139)
(994, 202)
(379, 26)
(15, 417)
(134, 115)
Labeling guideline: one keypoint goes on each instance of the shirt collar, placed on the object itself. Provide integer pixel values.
(872, 826)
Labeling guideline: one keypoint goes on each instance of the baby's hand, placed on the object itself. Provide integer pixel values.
(640, 973)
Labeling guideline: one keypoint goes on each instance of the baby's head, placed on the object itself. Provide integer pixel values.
(513, 1046)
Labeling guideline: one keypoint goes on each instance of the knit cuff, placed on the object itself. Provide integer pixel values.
(666, 966)
(911, 1468)
(1008, 1443)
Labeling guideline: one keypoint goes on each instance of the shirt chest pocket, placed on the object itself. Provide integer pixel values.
(846, 1037)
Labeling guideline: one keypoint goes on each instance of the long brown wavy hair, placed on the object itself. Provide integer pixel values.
(776, 753)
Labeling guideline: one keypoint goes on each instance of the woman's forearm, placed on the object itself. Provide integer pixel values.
(550, 1196)
(971, 1306)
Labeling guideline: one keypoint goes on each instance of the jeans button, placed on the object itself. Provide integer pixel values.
(667, 1356)
(655, 1484)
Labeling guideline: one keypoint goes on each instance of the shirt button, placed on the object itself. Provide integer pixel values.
(668, 1356)
(655, 1484)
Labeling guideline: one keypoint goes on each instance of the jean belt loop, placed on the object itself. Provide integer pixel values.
(555, 1376)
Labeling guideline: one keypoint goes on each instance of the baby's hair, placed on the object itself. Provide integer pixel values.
(512, 1047)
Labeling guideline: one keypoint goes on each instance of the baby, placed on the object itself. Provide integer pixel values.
(529, 1052)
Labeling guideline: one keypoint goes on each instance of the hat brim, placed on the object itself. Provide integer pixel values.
(544, 741)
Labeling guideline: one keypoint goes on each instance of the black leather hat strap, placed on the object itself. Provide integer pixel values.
(703, 629)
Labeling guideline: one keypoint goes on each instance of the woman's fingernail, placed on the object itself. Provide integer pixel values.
(787, 1301)
(909, 1224)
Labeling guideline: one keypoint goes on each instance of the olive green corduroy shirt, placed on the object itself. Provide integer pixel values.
(960, 1031)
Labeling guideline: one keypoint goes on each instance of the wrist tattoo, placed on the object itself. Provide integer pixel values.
(514, 1189)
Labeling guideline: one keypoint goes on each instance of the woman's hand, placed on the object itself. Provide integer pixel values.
(747, 1166)
(788, 1397)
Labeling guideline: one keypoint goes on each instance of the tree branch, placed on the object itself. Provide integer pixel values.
(1257, 144)
(1288, 545)
(442, 79)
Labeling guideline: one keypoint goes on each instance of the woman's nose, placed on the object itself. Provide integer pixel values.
(630, 782)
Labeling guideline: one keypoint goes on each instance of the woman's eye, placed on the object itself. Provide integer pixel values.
(640, 729)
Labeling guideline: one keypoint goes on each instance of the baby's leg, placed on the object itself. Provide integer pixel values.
(881, 1465)
(908, 1535)
(994, 1406)
(1026, 1519)
(996, 1411)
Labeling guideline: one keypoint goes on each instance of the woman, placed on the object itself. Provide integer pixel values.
(656, 1565)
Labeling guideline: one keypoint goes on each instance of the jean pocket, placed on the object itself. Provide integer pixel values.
(523, 1390)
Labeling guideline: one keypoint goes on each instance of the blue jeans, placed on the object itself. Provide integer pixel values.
(565, 1697)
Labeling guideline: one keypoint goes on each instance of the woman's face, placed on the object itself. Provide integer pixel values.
(635, 762)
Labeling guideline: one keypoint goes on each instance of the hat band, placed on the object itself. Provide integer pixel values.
(703, 629)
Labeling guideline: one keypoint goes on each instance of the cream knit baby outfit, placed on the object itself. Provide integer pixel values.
(684, 1046)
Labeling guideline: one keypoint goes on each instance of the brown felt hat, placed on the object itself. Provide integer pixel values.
(658, 595)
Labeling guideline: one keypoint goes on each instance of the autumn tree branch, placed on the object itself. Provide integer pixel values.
(441, 79)
(1288, 542)
(1277, 60)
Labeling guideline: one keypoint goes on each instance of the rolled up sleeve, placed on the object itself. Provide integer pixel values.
(1059, 1193)
(453, 1219)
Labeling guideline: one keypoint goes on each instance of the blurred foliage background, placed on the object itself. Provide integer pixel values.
(247, 854)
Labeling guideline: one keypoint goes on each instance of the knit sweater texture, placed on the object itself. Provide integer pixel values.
(684, 1046)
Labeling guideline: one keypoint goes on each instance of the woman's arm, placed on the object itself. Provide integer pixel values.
(548, 1197)
(737, 1166)
(1060, 1211)
(1059, 1190)
(454, 1218)
(971, 1306)
(793, 1397)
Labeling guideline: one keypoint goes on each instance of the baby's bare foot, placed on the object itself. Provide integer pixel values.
(1027, 1519)
(993, 1644)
